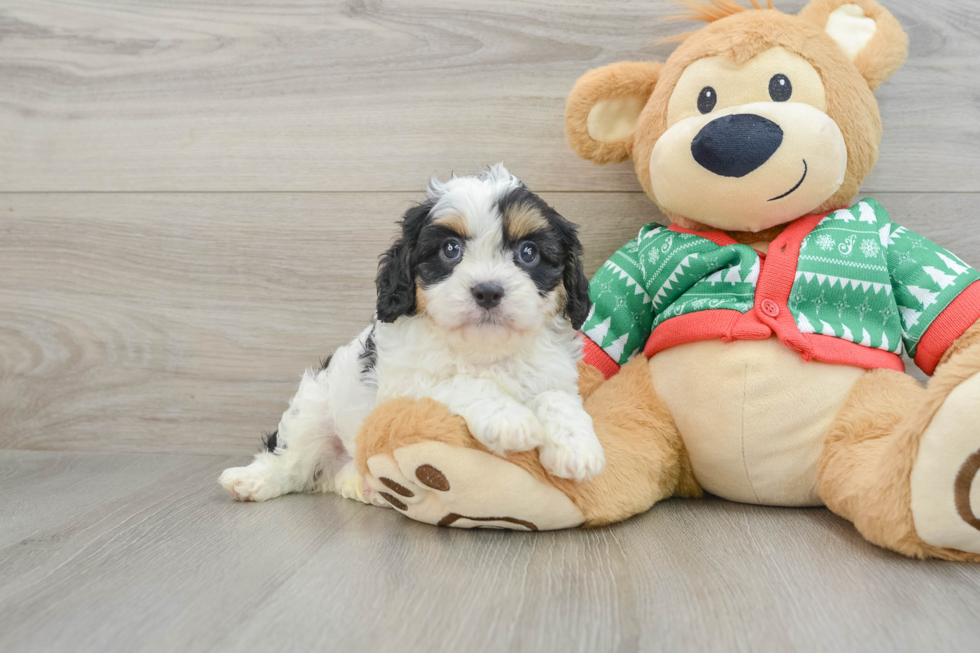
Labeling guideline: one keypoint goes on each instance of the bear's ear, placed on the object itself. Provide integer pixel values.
(867, 33)
(604, 107)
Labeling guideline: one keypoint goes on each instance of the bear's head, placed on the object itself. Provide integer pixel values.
(755, 120)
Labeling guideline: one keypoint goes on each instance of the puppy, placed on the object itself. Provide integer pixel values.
(478, 305)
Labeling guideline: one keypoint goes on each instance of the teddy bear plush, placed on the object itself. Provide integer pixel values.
(752, 348)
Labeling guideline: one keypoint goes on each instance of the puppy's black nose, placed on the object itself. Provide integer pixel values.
(734, 146)
(488, 295)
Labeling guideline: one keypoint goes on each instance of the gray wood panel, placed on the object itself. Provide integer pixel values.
(345, 95)
(181, 322)
(155, 557)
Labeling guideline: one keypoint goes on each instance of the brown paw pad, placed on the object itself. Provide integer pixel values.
(393, 501)
(963, 486)
(397, 488)
(453, 517)
(431, 477)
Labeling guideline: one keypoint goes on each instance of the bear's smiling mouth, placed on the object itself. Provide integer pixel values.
(791, 190)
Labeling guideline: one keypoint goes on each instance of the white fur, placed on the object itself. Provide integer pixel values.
(316, 435)
(510, 372)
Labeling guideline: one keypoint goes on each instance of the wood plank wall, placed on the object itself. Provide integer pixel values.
(193, 195)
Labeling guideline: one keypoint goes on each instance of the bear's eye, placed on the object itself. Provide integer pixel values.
(780, 88)
(707, 99)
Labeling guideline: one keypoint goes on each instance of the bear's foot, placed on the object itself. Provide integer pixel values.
(446, 485)
(945, 482)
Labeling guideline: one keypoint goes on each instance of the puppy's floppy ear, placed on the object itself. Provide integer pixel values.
(867, 33)
(603, 109)
(396, 269)
(577, 302)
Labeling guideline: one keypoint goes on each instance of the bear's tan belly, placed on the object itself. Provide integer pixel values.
(752, 415)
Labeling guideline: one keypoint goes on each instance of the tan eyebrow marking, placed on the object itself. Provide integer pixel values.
(522, 220)
(420, 303)
(455, 221)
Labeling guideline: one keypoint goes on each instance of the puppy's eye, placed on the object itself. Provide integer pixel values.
(528, 254)
(707, 99)
(780, 88)
(451, 250)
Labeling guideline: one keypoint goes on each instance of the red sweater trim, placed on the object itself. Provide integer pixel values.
(829, 349)
(597, 358)
(777, 275)
(718, 324)
(728, 325)
(949, 325)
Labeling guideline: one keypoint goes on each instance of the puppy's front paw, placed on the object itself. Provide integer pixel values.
(504, 427)
(572, 450)
(250, 483)
(349, 484)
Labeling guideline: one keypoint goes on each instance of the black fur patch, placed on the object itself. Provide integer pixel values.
(270, 441)
(396, 269)
(560, 249)
(324, 364)
(369, 357)
(431, 267)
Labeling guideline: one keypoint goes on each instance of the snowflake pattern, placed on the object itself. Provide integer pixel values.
(840, 305)
(820, 301)
(887, 312)
(825, 242)
(794, 301)
(870, 248)
(905, 257)
(863, 309)
(602, 287)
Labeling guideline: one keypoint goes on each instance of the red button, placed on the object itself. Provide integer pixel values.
(770, 308)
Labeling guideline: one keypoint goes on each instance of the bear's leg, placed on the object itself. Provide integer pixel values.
(645, 457)
(422, 459)
(897, 461)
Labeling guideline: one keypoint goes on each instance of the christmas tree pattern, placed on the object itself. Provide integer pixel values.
(865, 279)
(662, 274)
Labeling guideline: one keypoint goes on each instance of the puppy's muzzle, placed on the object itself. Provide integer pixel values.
(488, 295)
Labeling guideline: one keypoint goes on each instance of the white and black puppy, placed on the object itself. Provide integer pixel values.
(478, 305)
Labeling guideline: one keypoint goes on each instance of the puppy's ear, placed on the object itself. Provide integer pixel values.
(396, 269)
(577, 302)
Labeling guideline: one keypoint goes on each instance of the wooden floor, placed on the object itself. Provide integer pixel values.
(126, 552)
(192, 200)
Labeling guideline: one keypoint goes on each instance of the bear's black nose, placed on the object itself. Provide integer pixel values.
(734, 146)
(487, 295)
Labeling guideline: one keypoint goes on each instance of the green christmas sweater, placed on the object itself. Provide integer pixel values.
(850, 287)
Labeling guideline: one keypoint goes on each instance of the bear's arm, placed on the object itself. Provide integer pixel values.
(938, 297)
(970, 338)
(620, 321)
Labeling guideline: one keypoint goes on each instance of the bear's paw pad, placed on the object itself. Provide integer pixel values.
(439, 484)
(946, 475)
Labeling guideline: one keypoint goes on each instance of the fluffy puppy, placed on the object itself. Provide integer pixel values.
(478, 305)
